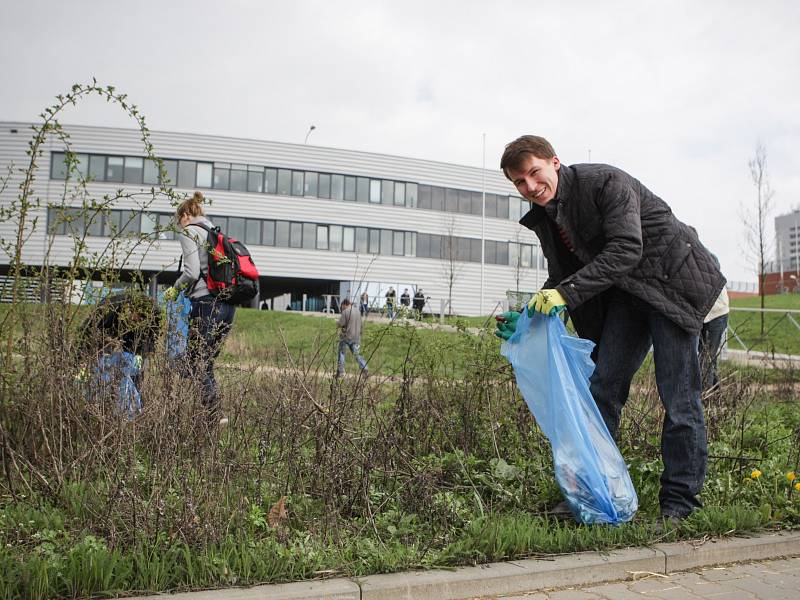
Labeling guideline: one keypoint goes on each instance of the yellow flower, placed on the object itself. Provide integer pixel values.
(755, 474)
(797, 486)
(791, 476)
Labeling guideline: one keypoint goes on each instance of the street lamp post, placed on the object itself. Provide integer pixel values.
(310, 129)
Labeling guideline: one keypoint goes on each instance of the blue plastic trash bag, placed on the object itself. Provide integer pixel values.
(553, 369)
(120, 369)
(177, 325)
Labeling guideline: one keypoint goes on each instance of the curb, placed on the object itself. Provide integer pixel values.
(515, 577)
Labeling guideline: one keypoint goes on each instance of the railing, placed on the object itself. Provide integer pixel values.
(786, 316)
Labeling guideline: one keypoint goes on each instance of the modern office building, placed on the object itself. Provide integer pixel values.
(317, 220)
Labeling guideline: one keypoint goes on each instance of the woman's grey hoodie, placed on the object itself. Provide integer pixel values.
(195, 257)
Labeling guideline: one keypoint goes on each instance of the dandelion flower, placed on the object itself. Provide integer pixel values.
(791, 476)
(797, 486)
(755, 474)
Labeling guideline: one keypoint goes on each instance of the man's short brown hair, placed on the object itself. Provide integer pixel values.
(526, 144)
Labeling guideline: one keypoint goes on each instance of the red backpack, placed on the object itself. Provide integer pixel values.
(232, 275)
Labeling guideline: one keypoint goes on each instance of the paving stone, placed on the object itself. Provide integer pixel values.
(617, 591)
(723, 574)
(573, 595)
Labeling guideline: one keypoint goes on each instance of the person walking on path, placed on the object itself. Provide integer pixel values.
(349, 325)
(405, 299)
(631, 275)
(391, 297)
(210, 319)
(364, 307)
(419, 303)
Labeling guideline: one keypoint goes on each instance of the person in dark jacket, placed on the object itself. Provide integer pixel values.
(631, 275)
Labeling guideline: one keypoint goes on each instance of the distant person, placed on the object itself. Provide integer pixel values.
(364, 307)
(419, 302)
(349, 325)
(405, 298)
(711, 335)
(210, 318)
(391, 297)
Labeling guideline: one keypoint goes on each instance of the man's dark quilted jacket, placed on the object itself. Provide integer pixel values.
(625, 236)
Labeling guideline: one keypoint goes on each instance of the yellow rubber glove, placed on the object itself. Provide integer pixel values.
(548, 302)
(171, 294)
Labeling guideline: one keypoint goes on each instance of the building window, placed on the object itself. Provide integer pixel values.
(309, 236)
(238, 178)
(187, 174)
(451, 200)
(284, 182)
(348, 239)
(350, 189)
(324, 185)
(297, 183)
(411, 246)
(236, 228)
(387, 192)
(255, 181)
(310, 186)
(253, 232)
(397, 246)
(222, 176)
(386, 242)
(205, 175)
(337, 187)
(399, 194)
(424, 196)
(282, 234)
(362, 240)
(374, 191)
(411, 195)
(335, 238)
(437, 198)
(271, 181)
(115, 166)
(134, 166)
(296, 235)
(268, 233)
(374, 241)
(322, 237)
(362, 190)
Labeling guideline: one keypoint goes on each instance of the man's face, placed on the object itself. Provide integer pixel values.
(537, 178)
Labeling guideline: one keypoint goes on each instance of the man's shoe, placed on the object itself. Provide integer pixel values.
(667, 523)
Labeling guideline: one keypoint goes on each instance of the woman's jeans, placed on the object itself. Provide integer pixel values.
(210, 322)
(630, 327)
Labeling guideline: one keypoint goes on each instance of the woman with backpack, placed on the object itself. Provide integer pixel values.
(210, 318)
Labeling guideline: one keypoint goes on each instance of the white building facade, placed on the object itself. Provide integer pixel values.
(317, 220)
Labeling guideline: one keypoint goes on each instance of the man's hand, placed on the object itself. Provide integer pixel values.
(548, 302)
(171, 294)
(506, 324)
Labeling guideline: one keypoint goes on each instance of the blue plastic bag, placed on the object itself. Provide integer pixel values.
(119, 369)
(177, 324)
(553, 369)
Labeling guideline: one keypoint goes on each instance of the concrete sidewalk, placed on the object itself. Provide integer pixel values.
(524, 576)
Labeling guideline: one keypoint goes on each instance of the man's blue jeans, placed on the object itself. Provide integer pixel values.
(631, 325)
(343, 344)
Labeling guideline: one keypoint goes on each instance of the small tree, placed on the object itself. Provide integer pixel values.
(451, 260)
(755, 220)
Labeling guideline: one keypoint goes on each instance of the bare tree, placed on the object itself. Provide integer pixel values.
(755, 220)
(451, 260)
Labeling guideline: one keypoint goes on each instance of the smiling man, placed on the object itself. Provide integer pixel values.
(631, 275)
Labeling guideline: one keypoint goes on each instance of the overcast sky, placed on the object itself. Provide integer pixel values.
(678, 93)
